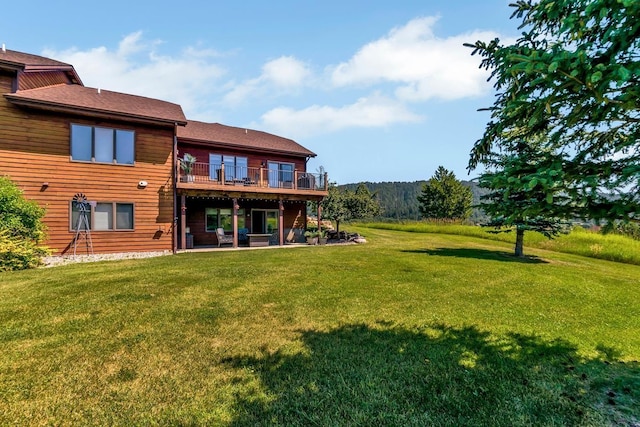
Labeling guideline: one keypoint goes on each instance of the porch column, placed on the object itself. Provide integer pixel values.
(235, 222)
(319, 218)
(183, 222)
(281, 224)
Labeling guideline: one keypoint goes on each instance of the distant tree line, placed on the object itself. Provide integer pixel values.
(399, 199)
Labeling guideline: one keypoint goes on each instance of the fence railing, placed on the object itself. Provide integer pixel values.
(251, 177)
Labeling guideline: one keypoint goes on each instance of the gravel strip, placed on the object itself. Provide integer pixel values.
(53, 261)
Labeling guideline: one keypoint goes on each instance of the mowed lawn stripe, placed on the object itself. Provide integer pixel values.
(410, 328)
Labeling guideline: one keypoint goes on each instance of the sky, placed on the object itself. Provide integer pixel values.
(379, 90)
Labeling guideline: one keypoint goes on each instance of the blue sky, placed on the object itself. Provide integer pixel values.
(381, 91)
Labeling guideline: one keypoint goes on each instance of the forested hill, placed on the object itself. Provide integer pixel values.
(399, 200)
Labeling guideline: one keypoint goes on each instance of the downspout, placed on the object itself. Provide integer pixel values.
(174, 178)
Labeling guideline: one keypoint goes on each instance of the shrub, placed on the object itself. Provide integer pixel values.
(17, 253)
(628, 229)
(21, 229)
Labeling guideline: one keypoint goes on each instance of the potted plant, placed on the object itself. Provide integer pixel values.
(186, 164)
(312, 237)
(322, 237)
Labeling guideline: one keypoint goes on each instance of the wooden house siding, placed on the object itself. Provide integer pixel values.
(41, 79)
(35, 149)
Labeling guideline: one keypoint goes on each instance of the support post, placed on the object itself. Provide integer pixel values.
(174, 179)
(319, 218)
(235, 222)
(281, 223)
(183, 222)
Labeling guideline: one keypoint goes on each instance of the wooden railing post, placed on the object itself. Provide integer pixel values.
(261, 177)
(222, 180)
(326, 182)
(295, 179)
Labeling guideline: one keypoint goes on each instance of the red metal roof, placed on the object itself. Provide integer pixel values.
(240, 137)
(80, 99)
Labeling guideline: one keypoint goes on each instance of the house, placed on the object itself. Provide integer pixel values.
(252, 184)
(61, 140)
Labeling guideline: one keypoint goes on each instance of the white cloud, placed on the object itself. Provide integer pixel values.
(131, 44)
(369, 112)
(281, 75)
(424, 65)
(286, 71)
(188, 78)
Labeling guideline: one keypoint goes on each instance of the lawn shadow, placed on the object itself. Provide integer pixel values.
(433, 375)
(479, 254)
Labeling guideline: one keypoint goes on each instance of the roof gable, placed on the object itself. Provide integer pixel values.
(29, 63)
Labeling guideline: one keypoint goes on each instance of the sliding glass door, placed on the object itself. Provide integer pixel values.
(264, 221)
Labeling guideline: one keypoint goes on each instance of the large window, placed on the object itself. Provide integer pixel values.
(102, 145)
(235, 167)
(215, 218)
(280, 174)
(103, 216)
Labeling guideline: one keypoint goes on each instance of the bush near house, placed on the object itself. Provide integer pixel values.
(21, 229)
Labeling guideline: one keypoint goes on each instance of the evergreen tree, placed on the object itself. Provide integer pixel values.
(444, 197)
(524, 191)
(571, 81)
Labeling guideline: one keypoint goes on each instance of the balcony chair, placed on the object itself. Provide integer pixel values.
(223, 238)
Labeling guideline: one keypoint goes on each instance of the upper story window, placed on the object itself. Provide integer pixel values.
(102, 145)
(235, 167)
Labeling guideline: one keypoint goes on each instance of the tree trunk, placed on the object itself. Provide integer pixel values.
(519, 242)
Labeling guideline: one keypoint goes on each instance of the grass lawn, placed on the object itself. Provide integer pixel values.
(408, 329)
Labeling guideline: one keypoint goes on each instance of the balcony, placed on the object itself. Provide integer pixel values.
(205, 176)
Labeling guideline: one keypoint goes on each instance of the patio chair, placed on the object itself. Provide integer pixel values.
(223, 238)
(242, 234)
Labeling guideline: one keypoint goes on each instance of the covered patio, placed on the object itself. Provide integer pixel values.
(247, 219)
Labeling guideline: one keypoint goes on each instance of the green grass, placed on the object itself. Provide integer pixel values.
(611, 247)
(408, 329)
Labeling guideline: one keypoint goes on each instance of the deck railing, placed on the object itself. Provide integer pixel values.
(251, 177)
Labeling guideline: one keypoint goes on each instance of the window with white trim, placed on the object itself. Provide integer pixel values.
(102, 145)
